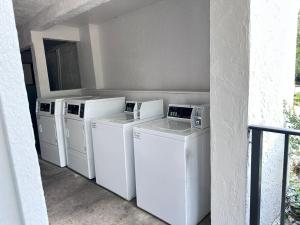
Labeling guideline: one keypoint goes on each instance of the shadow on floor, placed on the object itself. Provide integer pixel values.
(74, 200)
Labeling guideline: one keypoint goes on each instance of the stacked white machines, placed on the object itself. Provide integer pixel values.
(49, 115)
(172, 165)
(113, 145)
(78, 118)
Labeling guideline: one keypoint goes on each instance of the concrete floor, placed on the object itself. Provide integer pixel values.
(73, 200)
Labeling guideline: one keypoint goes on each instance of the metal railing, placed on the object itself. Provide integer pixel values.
(256, 169)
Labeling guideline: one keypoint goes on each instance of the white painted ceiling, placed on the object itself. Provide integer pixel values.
(25, 10)
(107, 11)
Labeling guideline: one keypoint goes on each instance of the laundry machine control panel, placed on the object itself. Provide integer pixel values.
(197, 115)
(200, 117)
(130, 106)
(133, 107)
(73, 109)
(181, 112)
(45, 108)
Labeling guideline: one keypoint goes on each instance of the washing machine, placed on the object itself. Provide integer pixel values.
(172, 165)
(113, 145)
(78, 131)
(49, 115)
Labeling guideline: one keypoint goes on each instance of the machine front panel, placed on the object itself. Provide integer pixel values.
(47, 129)
(75, 135)
(110, 159)
(160, 177)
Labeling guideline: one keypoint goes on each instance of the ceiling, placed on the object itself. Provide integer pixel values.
(107, 11)
(27, 9)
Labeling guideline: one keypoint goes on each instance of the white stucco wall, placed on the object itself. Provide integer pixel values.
(162, 46)
(272, 71)
(10, 212)
(229, 83)
(20, 173)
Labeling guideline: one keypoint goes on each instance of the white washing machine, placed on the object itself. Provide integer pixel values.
(78, 132)
(113, 145)
(172, 165)
(49, 115)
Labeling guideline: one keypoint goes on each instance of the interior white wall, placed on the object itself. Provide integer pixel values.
(39, 58)
(162, 46)
(21, 192)
(229, 85)
(272, 74)
(90, 57)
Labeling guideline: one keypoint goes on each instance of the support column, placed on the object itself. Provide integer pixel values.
(22, 195)
(252, 73)
(229, 85)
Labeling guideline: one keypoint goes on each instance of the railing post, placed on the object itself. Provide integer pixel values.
(284, 177)
(256, 165)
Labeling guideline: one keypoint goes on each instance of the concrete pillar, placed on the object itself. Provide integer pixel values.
(229, 85)
(252, 68)
(21, 192)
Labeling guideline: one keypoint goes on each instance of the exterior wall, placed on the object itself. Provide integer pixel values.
(272, 73)
(229, 84)
(21, 192)
(39, 58)
(162, 46)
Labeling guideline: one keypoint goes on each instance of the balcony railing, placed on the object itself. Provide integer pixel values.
(256, 169)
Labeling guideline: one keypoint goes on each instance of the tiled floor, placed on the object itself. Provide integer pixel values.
(73, 200)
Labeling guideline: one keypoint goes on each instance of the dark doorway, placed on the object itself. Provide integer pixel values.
(31, 91)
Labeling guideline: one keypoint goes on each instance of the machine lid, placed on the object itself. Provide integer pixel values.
(169, 128)
(162, 128)
(121, 118)
(173, 125)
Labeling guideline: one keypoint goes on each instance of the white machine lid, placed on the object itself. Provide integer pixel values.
(118, 119)
(169, 128)
(122, 118)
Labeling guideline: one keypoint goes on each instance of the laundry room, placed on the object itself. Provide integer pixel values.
(123, 112)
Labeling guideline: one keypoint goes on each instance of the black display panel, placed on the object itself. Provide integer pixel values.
(52, 107)
(45, 107)
(81, 114)
(180, 112)
(129, 107)
(73, 109)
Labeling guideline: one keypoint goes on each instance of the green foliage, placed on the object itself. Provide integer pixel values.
(297, 99)
(293, 192)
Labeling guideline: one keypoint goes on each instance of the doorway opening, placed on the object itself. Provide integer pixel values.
(26, 56)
